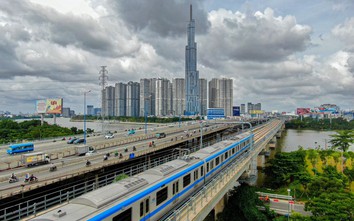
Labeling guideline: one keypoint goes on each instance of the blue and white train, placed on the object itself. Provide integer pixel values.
(150, 195)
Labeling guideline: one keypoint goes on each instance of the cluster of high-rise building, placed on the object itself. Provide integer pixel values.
(161, 97)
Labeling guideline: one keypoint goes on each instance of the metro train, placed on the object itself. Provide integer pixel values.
(153, 193)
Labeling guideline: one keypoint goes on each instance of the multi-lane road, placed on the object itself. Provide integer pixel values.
(68, 163)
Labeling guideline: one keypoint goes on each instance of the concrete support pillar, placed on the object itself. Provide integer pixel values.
(260, 161)
(220, 206)
(272, 143)
(254, 170)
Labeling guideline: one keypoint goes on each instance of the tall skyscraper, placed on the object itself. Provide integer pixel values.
(221, 94)
(178, 93)
(191, 75)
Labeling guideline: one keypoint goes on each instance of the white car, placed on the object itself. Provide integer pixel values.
(90, 153)
(109, 136)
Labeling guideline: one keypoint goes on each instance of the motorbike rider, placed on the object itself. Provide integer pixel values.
(27, 176)
(105, 157)
(134, 148)
(88, 163)
(13, 176)
(32, 178)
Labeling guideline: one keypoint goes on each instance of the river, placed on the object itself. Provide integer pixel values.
(94, 125)
(291, 140)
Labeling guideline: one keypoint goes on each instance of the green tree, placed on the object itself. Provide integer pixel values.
(342, 139)
(332, 206)
(284, 167)
(242, 205)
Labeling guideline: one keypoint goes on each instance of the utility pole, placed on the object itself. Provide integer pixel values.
(103, 82)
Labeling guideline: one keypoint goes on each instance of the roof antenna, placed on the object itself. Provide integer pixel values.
(190, 12)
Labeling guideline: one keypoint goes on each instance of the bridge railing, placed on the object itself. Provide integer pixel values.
(276, 196)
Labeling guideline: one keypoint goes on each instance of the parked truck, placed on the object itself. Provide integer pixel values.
(33, 159)
(82, 150)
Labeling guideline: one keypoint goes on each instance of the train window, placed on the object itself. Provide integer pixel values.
(186, 180)
(226, 155)
(207, 167)
(177, 184)
(217, 161)
(147, 203)
(196, 174)
(124, 216)
(202, 171)
(161, 196)
(141, 209)
(233, 151)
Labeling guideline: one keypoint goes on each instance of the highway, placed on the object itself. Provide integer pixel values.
(75, 164)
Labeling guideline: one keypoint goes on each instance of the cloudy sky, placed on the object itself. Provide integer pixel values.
(282, 53)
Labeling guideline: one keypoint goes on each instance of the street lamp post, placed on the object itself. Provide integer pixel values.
(145, 119)
(85, 115)
(201, 134)
(145, 113)
(288, 204)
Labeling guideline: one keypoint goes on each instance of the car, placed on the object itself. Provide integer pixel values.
(109, 136)
(80, 140)
(71, 141)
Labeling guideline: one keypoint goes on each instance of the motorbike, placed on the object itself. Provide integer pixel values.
(52, 168)
(31, 180)
(88, 163)
(134, 148)
(105, 158)
(13, 179)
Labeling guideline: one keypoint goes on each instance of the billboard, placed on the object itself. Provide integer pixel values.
(236, 111)
(55, 106)
(41, 106)
(256, 112)
(302, 111)
(215, 113)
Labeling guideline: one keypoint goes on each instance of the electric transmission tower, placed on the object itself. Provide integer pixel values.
(103, 82)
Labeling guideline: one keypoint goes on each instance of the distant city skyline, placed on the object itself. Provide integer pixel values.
(282, 54)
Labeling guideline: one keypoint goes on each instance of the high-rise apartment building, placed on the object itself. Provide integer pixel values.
(191, 75)
(203, 91)
(221, 94)
(145, 97)
(120, 99)
(178, 93)
(89, 109)
(242, 109)
(251, 107)
(109, 93)
(133, 95)
(162, 98)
